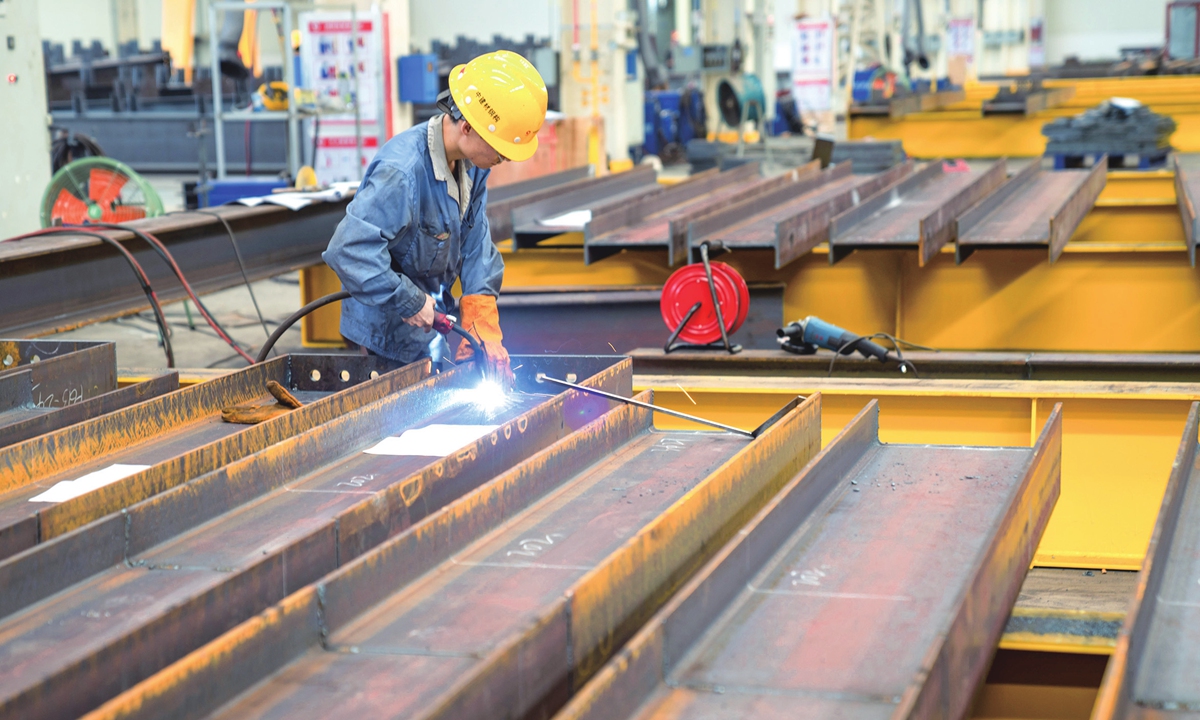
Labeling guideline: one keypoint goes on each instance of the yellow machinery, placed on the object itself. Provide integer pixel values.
(962, 130)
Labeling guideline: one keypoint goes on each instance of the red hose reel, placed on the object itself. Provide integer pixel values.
(688, 287)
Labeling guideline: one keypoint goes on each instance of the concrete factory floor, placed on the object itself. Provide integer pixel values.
(137, 335)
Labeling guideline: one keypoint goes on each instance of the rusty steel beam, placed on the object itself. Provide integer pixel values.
(179, 436)
(578, 546)
(1100, 367)
(1034, 208)
(62, 373)
(875, 584)
(50, 284)
(593, 195)
(204, 557)
(1187, 195)
(670, 228)
(646, 222)
(1154, 672)
(23, 414)
(794, 225)
(917, 211)
(501, 200)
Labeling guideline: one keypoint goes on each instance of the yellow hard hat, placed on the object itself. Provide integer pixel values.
(504, 98)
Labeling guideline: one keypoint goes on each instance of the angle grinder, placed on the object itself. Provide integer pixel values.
(805, 337)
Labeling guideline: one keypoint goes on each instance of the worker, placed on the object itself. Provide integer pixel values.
(419, 220)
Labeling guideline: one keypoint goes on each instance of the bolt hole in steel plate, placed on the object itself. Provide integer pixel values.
(688, 285)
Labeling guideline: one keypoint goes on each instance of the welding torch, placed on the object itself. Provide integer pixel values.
(443, 323)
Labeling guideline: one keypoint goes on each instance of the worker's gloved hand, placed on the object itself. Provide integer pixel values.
(481, 318)
(424, 317)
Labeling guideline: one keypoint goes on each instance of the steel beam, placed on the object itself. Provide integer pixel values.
(50, 284)
(1034, 208)
(917, 211)
(875, 584)
(651, 221)
(209, 555)
(606, 320)
(1155, 670)
(501, 200)
(589, 196)
(1187, 195)
(794, 223)
(61, 373)
(21, 417)
(176, 437)
(1098, 367)
(594, 532)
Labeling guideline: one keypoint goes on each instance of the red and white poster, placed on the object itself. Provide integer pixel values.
(812, 64)
(960, 38)
(342, 64)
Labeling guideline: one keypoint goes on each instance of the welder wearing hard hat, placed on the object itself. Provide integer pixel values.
(418, 221)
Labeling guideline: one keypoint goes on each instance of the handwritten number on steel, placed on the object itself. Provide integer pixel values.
(357, 481)
(532, 547)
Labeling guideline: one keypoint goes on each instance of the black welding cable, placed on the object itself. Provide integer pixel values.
(896, 343)
(291, 320)
(241, 263)
(161, 249)
(143, 279)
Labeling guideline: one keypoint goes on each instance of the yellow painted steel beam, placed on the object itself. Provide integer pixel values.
(1119, 439)
(962, 131)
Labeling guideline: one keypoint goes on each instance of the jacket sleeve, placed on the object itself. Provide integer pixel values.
(482, 269)
(380, 212)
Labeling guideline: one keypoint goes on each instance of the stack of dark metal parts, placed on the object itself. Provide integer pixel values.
(870, 156)
(1113, 127)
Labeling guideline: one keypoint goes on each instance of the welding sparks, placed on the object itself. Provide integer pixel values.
(685, 392)
(489, 396)
(611, 346)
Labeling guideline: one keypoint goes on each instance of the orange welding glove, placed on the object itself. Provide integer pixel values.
(481, 318)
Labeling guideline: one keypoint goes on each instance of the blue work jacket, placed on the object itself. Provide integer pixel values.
(405, 237)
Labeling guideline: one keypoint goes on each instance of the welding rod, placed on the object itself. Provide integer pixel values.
(648, 406)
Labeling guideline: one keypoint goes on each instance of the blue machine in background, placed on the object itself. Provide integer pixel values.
(673, 117)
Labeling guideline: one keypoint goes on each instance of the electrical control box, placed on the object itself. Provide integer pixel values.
(418, 78)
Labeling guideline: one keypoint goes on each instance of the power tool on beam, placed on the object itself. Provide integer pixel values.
(805, 337)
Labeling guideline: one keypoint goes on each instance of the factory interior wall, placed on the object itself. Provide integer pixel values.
(509, 18)
(1098, 29)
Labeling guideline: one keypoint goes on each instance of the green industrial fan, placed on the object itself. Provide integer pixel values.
(98, 189)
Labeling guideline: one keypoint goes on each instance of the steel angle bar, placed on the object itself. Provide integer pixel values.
(211, 554)
(170, 439)
(1154, 672)
(1034, 208)
(575, 573)
(62, 373)
(645, 222)
(501, 200)
(531, 221)
(671, 227)
(58, 283)
(21, 417)
(1187, 195)
(907, 213)
(875, 584)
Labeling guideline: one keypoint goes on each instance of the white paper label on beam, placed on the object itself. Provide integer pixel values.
(432, 440)
(68, 489)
